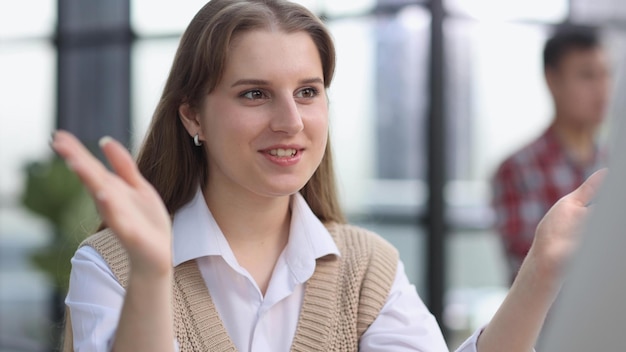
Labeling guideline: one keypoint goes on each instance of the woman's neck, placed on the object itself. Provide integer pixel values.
(256, 228)
(248, 217)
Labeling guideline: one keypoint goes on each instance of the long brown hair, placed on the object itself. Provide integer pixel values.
(168, 159)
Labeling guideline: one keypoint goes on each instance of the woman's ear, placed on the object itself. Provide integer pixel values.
(190, 119)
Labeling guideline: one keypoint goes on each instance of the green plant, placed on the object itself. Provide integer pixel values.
(56, 194)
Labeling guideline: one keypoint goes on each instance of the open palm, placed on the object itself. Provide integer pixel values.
(127, 203)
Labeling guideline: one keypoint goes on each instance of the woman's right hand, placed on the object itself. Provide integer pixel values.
(126, 202)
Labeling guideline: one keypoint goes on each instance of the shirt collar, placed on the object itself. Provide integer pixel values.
(194, 231)
(196, 234)
(308, 240)
(553, 145)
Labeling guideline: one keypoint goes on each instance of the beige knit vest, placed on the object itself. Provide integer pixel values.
(341, 300)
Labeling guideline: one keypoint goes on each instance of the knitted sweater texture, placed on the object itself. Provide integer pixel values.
(341, 299)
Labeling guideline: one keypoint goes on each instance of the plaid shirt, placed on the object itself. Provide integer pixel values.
(527, 184)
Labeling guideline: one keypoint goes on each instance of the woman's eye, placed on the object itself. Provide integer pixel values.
(307, 93)
(253, 94)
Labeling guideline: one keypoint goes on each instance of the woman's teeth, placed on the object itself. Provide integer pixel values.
(282, 152)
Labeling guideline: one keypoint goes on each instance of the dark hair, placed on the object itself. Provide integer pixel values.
(167, 158)
(565, 39)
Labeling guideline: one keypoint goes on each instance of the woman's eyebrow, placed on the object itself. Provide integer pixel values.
(312, 80)
(250, 82)
(260, 82)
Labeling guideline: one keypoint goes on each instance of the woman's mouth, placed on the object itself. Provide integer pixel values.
(281, 153)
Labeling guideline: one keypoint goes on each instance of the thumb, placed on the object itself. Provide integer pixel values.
(586, 192)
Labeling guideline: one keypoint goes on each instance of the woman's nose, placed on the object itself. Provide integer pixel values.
(286, 116)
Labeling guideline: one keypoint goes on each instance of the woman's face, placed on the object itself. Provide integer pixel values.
(265, 125)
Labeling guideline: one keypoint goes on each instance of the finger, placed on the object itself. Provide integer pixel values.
(88, 168)
(121, 161)
(585, 194)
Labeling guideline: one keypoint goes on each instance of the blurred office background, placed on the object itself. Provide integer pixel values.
(429, 97)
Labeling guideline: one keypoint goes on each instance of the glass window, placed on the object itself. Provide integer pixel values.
(151, 61)
(497, 100)
(352, 105)
(162, 17)
(27, 93)
(497, 72)
(535, 10)
(27, 18)
(598, 11)
(378, 104)
(334, 8)
(337, 8)
(27, 89)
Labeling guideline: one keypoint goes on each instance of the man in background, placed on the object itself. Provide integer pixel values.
(531, 180)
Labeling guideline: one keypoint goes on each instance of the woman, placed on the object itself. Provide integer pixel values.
(228, 235)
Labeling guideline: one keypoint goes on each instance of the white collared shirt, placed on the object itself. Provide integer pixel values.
(254, 322)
